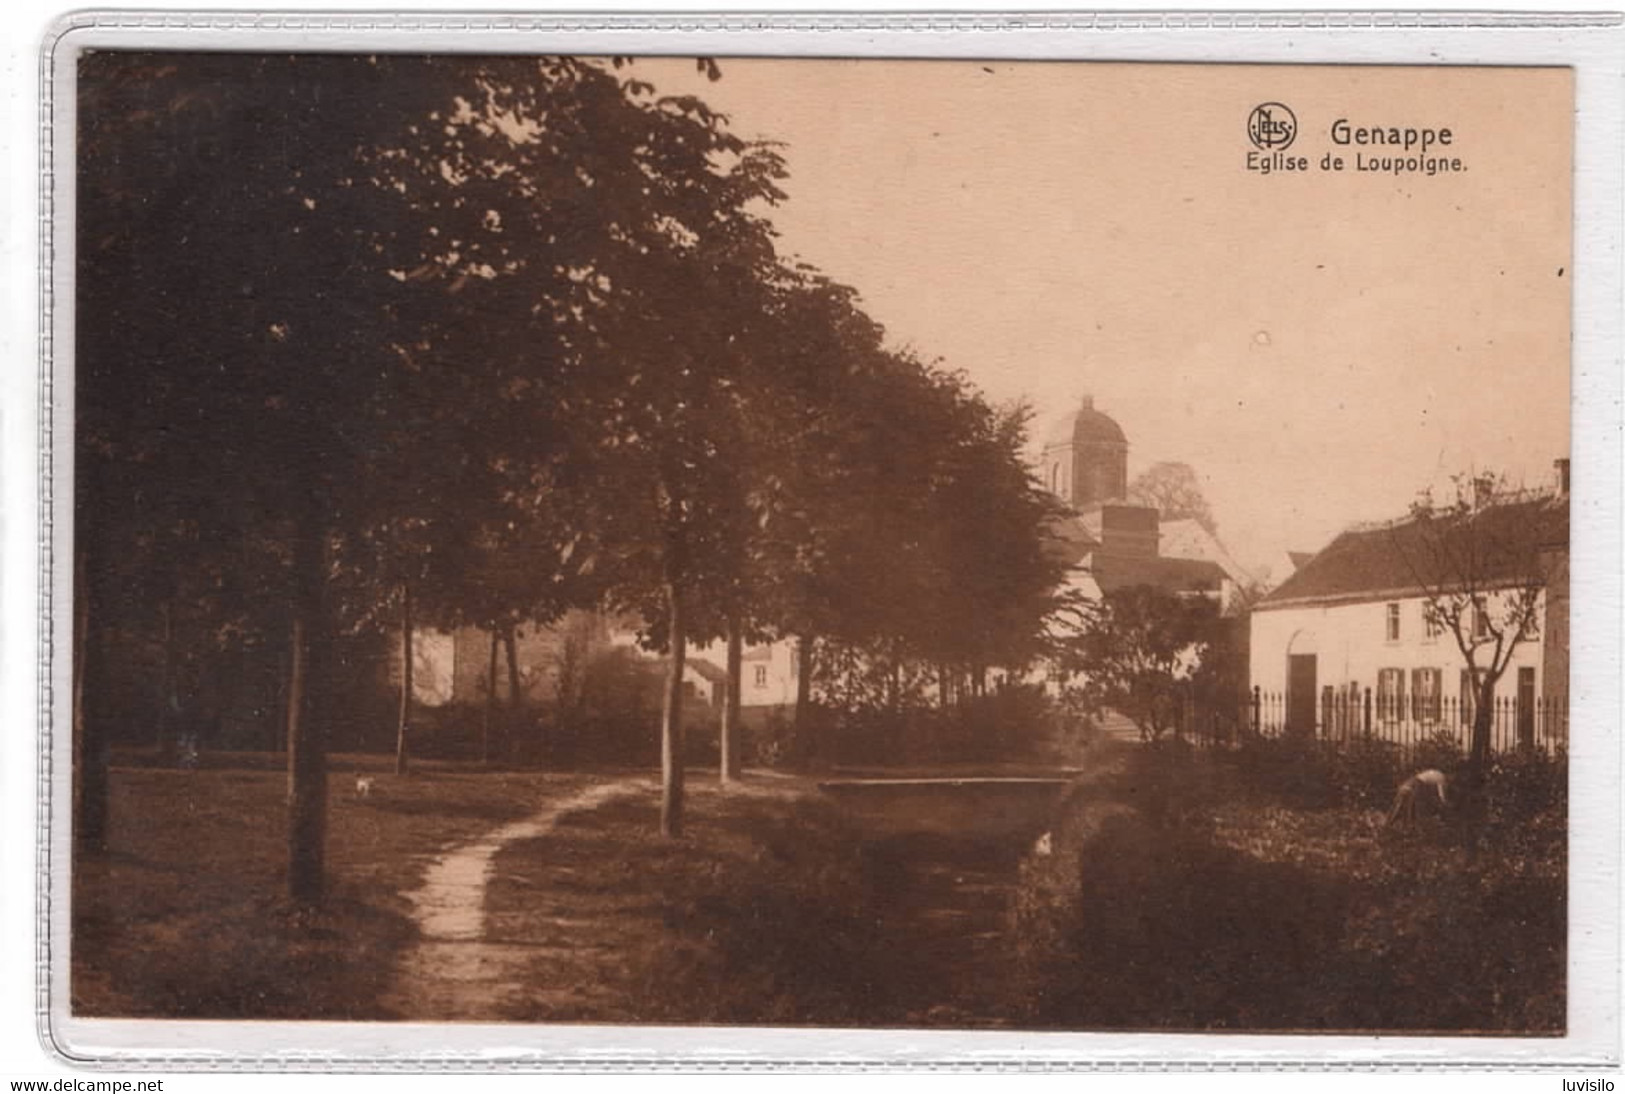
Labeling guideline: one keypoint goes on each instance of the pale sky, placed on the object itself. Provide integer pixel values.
(1318, 346)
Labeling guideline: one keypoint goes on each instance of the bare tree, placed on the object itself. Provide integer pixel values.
(1480, 561)
(1175, 492)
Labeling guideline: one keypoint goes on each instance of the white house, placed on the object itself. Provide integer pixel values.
(768, 674)
(1351, 621)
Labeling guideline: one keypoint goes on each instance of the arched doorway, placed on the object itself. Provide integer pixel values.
(1302, 683)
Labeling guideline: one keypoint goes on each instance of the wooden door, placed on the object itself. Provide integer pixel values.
(1526, 708)
(1300, 693)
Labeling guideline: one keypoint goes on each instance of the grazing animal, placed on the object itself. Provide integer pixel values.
(1425, 793)
(1044, 846)
(363, 786)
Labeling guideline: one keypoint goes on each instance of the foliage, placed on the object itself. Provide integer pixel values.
(1526, 786)
(1245, 912)
(1138, 650)
(614, 717)
(507, 336)
(1012, 722)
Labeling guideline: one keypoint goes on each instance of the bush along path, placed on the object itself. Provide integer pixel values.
(456, 971)
(1218, 891)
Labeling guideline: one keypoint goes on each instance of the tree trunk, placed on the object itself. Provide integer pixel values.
(90, 752)
(169, 701)
(279, 716)
(806, 736)
(731, 744)
(671, 721)
(490, 700)
(307, 738)
(516, 695)
(404, 726)
(1478, 753)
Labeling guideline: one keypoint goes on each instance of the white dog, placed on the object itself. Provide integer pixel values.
(1424, 793)
(363, 786)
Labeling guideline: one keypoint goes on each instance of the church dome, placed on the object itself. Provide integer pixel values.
(1086, 425)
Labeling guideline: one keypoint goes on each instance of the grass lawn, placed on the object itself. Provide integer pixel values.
(185, 915)
(1182, 892)
(760, 913)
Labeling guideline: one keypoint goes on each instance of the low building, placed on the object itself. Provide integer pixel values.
(1344, 645)
(768, 677)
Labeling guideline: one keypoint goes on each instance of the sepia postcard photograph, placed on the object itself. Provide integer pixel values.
(830, 543)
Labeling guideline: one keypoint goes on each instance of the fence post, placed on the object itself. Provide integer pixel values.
(1365, 712)
(1258, 700)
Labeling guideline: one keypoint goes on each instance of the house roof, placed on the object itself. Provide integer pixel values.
(1188, 539)
(706, 669)
(1401, 558)
(1172, 575)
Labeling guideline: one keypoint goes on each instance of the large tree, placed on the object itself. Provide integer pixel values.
(1138, 651)
(323, 298)
(1482, 560)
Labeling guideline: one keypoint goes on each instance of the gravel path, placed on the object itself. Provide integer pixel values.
(454, 972)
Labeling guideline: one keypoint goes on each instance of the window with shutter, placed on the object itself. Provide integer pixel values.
(1426, 688)
(1391, 695)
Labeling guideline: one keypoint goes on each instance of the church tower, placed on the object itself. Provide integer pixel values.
(1085, 459)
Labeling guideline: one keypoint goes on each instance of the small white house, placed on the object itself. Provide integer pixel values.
(768, 672)
(1351, 620)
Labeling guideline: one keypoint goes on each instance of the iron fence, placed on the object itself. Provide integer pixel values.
(1408, 722)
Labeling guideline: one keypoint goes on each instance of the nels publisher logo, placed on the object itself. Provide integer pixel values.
(1272, 127)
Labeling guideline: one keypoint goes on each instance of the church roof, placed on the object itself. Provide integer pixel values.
(1085, 425)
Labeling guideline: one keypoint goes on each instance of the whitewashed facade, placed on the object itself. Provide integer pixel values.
(767, 672)
(1384, 644)
(1344, 643)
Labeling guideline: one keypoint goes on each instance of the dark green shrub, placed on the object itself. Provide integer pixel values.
(1365, 772)
(1291, 769)
(1443, 750)
(1526, 785)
